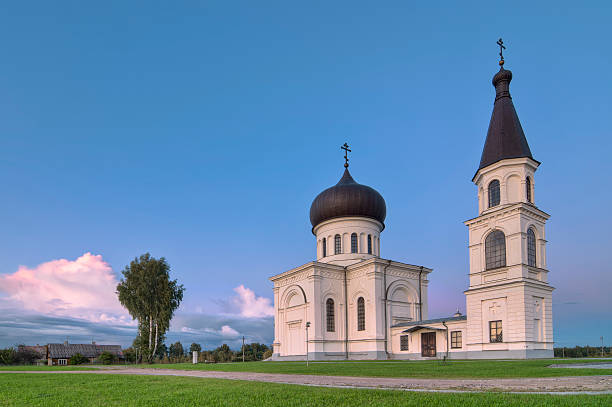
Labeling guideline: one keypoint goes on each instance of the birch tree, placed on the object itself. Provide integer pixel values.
(150, 297)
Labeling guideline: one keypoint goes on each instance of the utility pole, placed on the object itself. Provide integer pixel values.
(243, 348)
(601, 346)
(307, 326)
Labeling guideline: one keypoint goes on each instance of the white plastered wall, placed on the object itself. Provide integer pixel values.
(517, 294)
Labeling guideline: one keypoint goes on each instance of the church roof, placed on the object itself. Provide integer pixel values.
(348, 198)
(505, 137)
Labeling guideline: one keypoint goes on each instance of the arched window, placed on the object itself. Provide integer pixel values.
(360, 314)
(337, 244)
(329, 311)
(324, 247)
(528, 188)
(369, 244)
(494, 193)
(354, 243)
(531, 248)
(495, 250)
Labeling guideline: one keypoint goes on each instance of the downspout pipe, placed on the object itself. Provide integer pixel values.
(346, 352)
(445, 326)
(420, 299)
(385, 305)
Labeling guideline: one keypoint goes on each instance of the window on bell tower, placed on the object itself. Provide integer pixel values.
(494, 195)
(324, 247)
(369, 244)
(531, 248)
(354, 243)
(528, 188)
(495, 250)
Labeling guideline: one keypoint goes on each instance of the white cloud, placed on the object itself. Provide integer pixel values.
(251, 306)
(228, 332)
(83, 288)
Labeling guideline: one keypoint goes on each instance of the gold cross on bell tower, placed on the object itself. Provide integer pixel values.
(500, 42)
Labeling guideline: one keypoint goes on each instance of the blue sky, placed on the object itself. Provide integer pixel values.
(201, 131)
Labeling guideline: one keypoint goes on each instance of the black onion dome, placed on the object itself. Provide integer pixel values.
(348, 198)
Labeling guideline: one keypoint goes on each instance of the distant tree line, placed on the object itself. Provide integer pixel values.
(177, 353)
(18, 356)
(583, 352)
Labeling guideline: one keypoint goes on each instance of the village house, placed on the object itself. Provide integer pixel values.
(59, 354)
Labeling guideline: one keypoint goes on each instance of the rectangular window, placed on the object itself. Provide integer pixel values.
(62, 361)
(456, 339)
(360, 314)
(404, 342)
(331, 321)
(495, 331)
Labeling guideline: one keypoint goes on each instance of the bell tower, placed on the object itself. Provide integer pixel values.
(509, 300)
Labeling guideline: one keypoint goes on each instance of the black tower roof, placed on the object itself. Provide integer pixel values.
(505, 138)
(348, 198)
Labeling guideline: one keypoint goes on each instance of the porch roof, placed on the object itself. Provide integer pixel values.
(431, 321)
(419, 327)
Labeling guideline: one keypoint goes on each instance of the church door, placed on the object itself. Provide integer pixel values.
(428, 344)
(296, 342)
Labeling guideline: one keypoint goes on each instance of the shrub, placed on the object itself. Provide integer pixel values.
(106, 358)
(8, 356)
(78, 359)
(267, 354)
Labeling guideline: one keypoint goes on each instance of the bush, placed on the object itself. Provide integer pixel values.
(106, 358)
(8, 356)
(267, 354)
(78, 359)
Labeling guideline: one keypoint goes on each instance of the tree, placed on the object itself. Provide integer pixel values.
(176, 350)
(195, 347)
(150, 297)
(78, 359)
(130, 355)
(106, 358)
(223, 354)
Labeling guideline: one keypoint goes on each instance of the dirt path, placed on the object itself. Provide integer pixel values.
(570, 384)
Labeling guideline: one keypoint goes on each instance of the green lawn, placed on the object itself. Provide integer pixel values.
(433, 369)
(115, 390)
(36, 368)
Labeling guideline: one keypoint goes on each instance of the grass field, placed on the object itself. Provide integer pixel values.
(114, 390)
(432, 369)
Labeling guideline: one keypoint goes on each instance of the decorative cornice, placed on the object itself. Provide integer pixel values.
(508, 210)
(518, 281)
(507, 162)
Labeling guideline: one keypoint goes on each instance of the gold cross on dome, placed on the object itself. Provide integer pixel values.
(347, 150)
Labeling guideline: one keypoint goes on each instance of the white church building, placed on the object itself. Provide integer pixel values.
(350, 303)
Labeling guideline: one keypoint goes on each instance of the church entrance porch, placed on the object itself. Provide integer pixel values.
(428, 344)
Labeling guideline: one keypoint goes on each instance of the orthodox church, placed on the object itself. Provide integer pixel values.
(350, 303)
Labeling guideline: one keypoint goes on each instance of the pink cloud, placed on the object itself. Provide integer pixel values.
(250, 305)
(81, 288)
